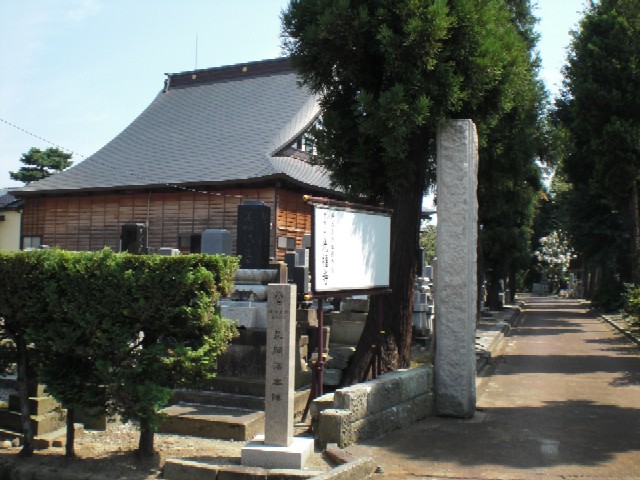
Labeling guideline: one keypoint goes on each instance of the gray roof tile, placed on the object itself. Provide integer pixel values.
(227, 125)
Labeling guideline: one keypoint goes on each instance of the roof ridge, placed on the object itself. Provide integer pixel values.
(259, 68)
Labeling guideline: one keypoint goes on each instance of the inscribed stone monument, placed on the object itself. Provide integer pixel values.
(278, 448)
(254, 227)
(456, 275)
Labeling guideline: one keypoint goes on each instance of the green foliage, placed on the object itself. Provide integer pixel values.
(600, 110)
(117, 332)
(178, 332)
(391, 71)
(609, 297)
(632, 303)
(428, 242)
(388, 73)
(40, 164)
(509, 176)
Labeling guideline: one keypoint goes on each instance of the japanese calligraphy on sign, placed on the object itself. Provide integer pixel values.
(351, 249)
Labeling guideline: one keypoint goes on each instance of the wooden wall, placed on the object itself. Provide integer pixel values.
(91, 222)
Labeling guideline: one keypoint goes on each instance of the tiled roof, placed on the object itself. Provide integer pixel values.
(207, 127)
(9, 202)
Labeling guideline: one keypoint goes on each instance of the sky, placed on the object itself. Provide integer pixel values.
(75, 73)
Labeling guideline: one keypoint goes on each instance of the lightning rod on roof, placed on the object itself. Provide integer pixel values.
(196, 65)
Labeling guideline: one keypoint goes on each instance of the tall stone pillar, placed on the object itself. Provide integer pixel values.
(456, 275)
(278, 448)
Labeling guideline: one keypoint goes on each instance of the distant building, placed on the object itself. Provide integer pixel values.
(10, 214)
(211, 140)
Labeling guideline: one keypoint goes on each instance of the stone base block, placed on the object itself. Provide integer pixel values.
(332, 376)
(295, 456)
(243, 313)
(346, 332)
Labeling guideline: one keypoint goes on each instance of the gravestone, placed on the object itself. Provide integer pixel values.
(214, 240)
(195, 243)
(278, 448)
(456, 277)
(254, 228)
(133, 238)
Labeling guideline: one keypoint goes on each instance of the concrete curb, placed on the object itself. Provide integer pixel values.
(621, 327)
(359, 468)
(508, 317)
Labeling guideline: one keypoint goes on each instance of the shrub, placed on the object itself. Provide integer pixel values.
(609, 297)
(632, 303)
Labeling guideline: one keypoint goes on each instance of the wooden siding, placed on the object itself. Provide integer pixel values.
(293, 218)
(92, 222)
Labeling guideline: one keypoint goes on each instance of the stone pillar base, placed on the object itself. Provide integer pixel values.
(295, 456)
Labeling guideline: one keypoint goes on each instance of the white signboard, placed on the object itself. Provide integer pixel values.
(350, 249)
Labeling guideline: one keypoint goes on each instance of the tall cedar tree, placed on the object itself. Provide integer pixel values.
(600, 107)
(387, 73)
(40, 164)
(509, 179)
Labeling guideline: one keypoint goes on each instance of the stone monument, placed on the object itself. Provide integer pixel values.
(278, 448)
(215, 240)
(254, 229)
(456, 275)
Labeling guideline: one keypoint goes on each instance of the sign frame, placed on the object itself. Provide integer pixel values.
(354, 270)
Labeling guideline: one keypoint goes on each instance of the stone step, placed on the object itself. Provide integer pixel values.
(252, 386)
(242, 386)
(180, 469)
(210, 421)
(205, 417)
(40, 424)
(222, 399)
(339, 355)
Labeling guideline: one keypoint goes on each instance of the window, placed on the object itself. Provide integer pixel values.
(184, 243)
(31, 243)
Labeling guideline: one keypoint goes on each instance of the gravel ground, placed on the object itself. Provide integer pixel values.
(111, 454)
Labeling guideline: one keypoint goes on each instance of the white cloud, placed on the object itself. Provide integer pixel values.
(82, 9)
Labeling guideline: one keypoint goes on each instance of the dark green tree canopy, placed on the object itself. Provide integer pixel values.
(600, 109)
(40, 164)
(390, 71)
(601, 101)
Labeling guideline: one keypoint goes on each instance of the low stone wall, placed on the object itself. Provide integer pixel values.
(368, 410)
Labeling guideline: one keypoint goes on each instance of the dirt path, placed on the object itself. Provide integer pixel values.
(563, 401)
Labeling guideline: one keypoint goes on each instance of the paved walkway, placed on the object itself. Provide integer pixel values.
(562, 400)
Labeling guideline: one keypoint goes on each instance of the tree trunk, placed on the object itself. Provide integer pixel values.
(493, 293)
(145, 444)
(397, 306)
(634, 234)
(71, 433)
(23, 393)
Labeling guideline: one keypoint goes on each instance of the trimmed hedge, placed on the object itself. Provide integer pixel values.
(116, 332)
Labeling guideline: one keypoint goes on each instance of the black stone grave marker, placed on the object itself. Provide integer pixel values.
(133, 238)
(254, 226)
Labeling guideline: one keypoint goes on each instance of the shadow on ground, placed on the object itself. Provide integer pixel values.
(532, 437)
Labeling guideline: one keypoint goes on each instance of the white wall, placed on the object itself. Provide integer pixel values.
(10, 230)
